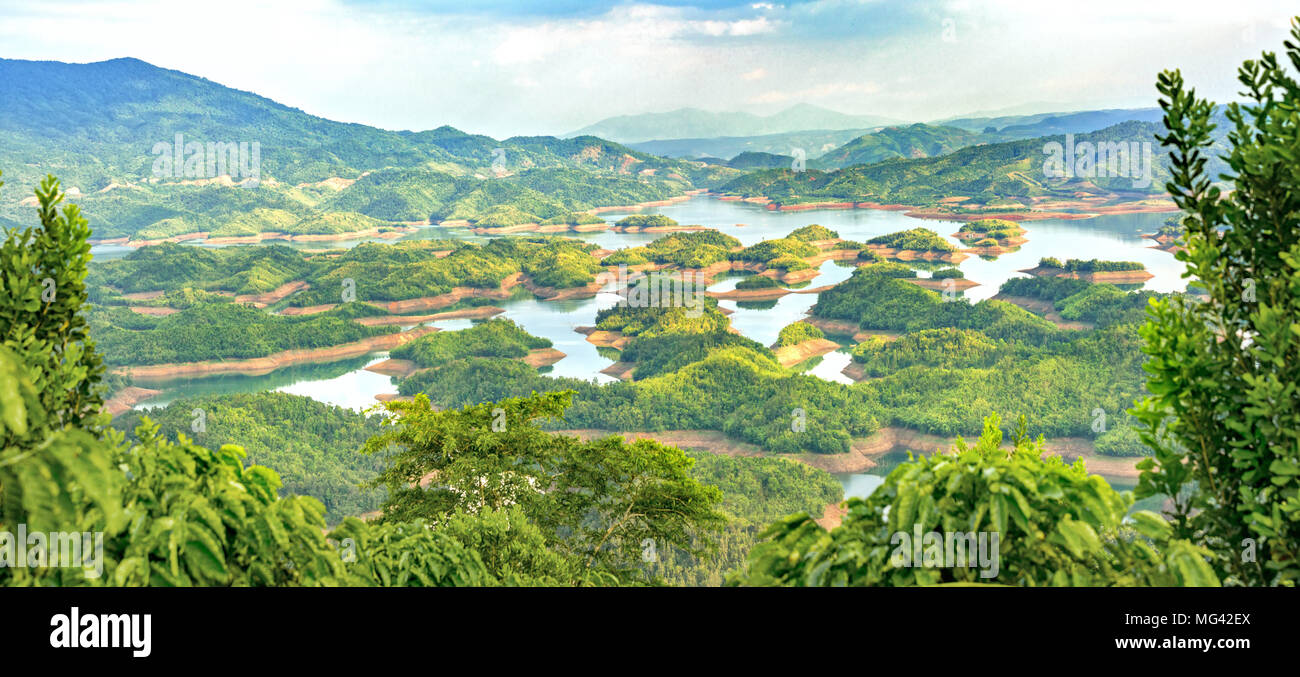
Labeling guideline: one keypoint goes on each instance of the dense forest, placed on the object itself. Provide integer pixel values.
(218, 331)
(995, 174)
(313, 446)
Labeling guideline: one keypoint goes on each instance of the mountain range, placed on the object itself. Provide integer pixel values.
(694, 123)
(98, 127)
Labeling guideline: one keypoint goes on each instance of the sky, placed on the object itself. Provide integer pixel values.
(506, 68)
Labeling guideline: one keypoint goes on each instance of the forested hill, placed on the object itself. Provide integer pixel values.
(97, 126)
(912, 141)
(985, 174)
(98, 122)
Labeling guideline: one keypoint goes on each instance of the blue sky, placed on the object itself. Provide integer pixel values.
(505, 68)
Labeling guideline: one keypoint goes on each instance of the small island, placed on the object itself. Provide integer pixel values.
(1092, 270)
(992, 237)
(915, 244)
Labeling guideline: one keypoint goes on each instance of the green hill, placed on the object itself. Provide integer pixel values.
(992, 174)
(105, 129)
(914, 141)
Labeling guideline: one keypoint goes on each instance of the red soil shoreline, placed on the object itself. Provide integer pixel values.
(257, 366)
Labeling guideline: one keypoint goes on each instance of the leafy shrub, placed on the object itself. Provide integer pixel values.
(1054, 524)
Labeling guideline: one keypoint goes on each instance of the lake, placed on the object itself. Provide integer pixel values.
(1114, 237)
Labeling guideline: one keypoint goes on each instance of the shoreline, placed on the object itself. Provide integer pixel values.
(457, 294)
(125, 399)
(387, 233)
(400, 368)
(257, 366)
(1112, 276)
(479, 313)
(398, 310)
(1142, 206)
(788, 356)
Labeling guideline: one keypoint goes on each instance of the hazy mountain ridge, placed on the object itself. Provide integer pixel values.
(999, 173)
(95, 126)
(814, 142)
(1044, 124)
(694, 123)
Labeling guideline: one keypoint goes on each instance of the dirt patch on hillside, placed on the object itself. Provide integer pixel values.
(128, 397)
(604, 339)
(832, 516)
(620, 370)
(788, 356)
(393, 367)
(542, 357)
(957, 283)
(150, 310)
(479, 313)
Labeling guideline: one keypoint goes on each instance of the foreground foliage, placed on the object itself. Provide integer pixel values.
(1224, 411)
(1054, 524)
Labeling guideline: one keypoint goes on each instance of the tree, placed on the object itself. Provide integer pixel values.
(54, 472)
(1036, 521)
(599, 503)
(42, 281)
(170, 513)
(1224, 412)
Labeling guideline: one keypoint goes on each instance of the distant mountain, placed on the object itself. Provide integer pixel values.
(752, 160)
(1022, 109)
(914, 141)
(96, 122)
(813, 142)
(693, 123)
(96, 126)
(1007, 175)
(922, 140)
(1044, 124)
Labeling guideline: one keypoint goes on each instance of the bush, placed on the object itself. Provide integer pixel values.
(1054, 523)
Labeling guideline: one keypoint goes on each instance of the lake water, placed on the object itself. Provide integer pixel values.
(347, 383)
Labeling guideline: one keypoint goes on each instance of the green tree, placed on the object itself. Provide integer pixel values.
(1055, 525)
(598, 502)
(1224, 411)
(54, 472)
(170, 513)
